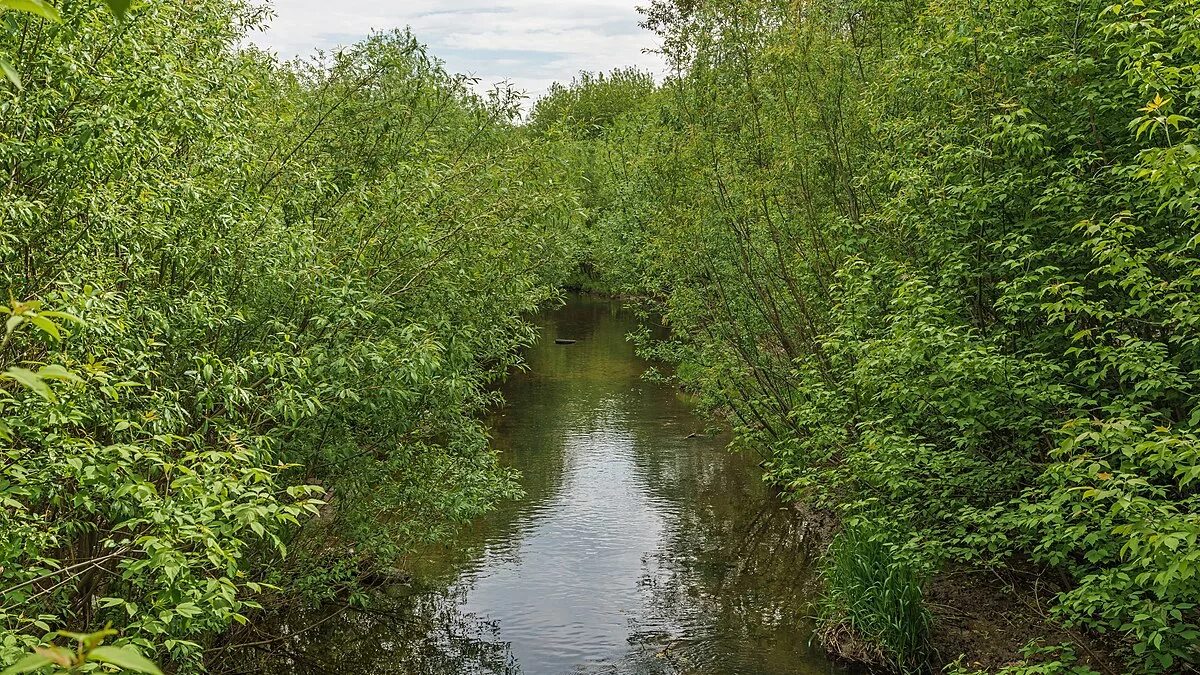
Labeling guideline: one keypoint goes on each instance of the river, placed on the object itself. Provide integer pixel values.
(641, 545)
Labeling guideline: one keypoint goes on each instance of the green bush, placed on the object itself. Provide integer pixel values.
(256, 312)
(939, 260)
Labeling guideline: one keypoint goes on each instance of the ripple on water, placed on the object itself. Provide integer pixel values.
(636, 550)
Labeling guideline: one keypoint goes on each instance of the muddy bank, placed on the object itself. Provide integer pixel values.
(983, 619)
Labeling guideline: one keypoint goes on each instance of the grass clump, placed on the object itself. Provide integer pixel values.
(873, 610)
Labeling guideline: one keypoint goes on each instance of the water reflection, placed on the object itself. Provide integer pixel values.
(639, 547)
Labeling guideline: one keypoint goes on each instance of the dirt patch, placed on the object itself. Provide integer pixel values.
(986, 618)
(982, 618)
(817, 525)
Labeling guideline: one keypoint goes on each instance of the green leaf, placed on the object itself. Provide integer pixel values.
(67, 316)
(119, 7)
(47, 326)
(28, 664)
(10, 73)
(31, 380)
(39, 7)
(89, 640)
(125, 658)
(57, 372)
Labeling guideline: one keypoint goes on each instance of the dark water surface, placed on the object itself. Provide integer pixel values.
(635, 550)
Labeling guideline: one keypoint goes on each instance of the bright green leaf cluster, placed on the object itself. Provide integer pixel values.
(260, 311)
(938, 262)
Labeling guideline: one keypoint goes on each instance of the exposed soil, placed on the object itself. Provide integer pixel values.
(985, 618)
(982, 619)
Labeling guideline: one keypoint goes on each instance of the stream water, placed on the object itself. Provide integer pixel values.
(641, 545)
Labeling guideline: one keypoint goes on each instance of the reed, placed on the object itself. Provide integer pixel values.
(875, 596)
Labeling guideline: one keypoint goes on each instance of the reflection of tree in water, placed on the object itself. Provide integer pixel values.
(730, 589)
(731, 593)
(421, 633)
(725, 591)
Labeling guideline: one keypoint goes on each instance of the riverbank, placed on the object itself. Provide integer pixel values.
(639, 545)
(983, 619)
(938, 262)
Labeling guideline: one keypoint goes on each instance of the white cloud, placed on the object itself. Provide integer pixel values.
(530, 43)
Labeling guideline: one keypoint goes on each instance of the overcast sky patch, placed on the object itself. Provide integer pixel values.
(529, 43)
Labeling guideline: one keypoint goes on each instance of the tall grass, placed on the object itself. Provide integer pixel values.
(874, 597)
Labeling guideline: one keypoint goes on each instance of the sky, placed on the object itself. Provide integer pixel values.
(528, 43)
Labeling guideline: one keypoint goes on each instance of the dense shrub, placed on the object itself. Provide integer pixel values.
(938, 260)
(256, 312)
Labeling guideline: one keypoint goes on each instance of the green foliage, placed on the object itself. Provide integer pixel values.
(45, 10)
(89, 650)
(259, 312)
(1051, 660)
(936, 261)
(591, 104)
(875, 594)
(616, 107)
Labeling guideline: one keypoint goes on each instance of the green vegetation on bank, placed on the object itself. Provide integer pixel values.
(256, 310)
(936, 260)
